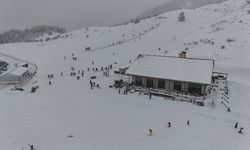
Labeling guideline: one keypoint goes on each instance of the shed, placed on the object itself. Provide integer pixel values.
(17, 76)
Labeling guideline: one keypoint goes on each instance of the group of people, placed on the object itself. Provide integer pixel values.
(236, 127)
(109, 67)
(93, 84)
(125, 92)
(169, 126)
(72, 73)
(81, 72)
(74, 58)
(50, 76)
(188, 123)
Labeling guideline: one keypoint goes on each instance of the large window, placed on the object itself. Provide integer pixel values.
(194, 88)
(177, 86)
(161, 84)
(138, 81)
(149, 82)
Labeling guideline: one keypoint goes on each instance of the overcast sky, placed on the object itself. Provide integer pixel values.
(72, 14)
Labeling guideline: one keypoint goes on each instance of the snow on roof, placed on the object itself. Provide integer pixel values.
(173, 68)
(19, 71)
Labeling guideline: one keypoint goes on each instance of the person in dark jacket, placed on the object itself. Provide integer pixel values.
(169, 124)
(32, 147)
(150, 131)
(236, 125)
(240, 131)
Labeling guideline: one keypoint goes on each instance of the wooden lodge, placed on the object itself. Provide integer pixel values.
(189, 76)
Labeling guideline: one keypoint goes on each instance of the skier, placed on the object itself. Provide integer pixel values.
(236, 125)
(169, 124)
(150, 131)
(49, 82)
(32, 147)
(241, 130)
(188, 122)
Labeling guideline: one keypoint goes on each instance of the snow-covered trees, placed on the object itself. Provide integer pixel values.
(181, 17)
(28, 35)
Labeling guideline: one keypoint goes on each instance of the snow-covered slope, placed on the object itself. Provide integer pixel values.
(69, 115)
(177, 5)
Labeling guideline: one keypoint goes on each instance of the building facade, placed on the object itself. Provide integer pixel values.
(169, 85)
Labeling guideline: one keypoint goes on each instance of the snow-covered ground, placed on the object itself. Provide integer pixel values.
(69, 115)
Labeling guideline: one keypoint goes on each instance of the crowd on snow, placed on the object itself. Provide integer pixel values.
(80, 72)
(169, 125)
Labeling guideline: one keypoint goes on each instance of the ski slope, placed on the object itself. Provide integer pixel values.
(70, 115)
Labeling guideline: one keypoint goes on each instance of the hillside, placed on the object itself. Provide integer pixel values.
(34, 34)
(70, 115)
(177, 5)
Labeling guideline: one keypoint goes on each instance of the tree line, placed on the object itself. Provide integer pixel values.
(29, 34)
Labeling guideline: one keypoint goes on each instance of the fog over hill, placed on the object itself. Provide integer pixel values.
(177, 4)
(72, 15)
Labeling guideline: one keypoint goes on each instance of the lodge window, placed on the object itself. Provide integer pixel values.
(138, 81)
(161, 84)
(194, 88)
(177, 86)
(149, 82)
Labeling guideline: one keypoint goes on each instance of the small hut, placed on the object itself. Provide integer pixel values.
(16, 76)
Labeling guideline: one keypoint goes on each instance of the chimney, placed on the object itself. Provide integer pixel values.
(183, 54)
